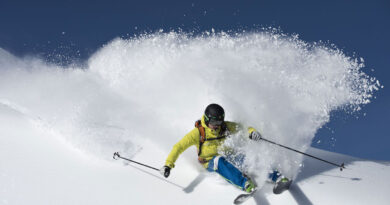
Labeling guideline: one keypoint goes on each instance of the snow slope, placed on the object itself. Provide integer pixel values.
(38, 167)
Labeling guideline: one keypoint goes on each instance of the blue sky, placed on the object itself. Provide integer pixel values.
(76, 29)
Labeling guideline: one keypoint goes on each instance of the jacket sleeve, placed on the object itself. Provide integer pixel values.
(235, 127)
(192, 138)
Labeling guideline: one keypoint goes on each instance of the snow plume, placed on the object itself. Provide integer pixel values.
(151, 88)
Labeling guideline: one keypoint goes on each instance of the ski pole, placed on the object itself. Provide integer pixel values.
(116, 156)
(341, 166)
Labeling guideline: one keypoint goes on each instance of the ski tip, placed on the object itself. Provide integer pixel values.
(243, 197)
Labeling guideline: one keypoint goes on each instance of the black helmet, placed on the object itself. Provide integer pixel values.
(214, 114)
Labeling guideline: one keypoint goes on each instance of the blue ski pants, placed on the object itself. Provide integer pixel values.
(227, 170)
(231, 173)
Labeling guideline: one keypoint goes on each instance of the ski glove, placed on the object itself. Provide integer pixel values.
(255, 135)
(165, 171)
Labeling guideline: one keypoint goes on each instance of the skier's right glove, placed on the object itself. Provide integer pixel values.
(165, 171)
(255, 135)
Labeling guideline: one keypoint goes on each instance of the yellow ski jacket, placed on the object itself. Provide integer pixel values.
(209, 148)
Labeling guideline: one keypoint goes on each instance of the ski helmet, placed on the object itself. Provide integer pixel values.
(214, 114)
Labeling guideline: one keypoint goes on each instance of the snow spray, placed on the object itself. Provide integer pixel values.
(151, 88)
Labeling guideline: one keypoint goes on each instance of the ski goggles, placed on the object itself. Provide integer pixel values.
(215, 122)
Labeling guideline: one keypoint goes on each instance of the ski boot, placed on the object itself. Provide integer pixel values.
(282, 185)
(250, 187)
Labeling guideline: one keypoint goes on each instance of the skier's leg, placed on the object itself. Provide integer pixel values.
(274, 175)
(233, 175)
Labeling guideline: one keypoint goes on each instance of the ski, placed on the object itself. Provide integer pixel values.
(243, 197)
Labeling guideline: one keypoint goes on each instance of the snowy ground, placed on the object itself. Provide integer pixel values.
(38, 167)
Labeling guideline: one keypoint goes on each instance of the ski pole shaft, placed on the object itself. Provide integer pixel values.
(116, 155)
(341, 166)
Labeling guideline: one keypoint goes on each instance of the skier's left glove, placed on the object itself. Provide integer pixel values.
(165, 171)
(255, 135)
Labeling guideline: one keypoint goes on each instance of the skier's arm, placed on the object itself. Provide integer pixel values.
(192, 138)
(235, 127)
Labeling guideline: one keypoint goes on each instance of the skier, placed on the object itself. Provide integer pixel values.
(208, 135)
